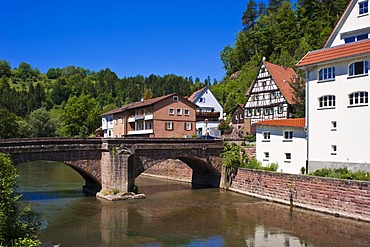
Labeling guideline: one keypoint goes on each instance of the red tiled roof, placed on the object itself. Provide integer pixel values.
(336, 52)
(282, 77)
(291, 122)
(195, 95)
(137, 104)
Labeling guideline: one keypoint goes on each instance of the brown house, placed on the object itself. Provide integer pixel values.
(237, 120)
(163, 117)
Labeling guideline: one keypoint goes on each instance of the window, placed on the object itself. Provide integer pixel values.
(186, 112)
(288, 157)
(236, 117)
(269, 111)
(358, 99)
(148, 126)
(280, 109)
(273, 95)
(327, 101)
(121, 120)
(333, 150)
(178, 111)
(266, 136)
(356, 38)
(333, 125)
(169, 125)
(188, 126)
(358, 68)
(202, 100)
(175, 98)
(249, 112)
(256, 97)
(267, 156)
(240, 116)
(171, 111)
(288, 135)
(258, 112)
(327, 74)
(363, 7)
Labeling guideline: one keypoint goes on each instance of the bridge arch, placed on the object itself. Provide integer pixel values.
(206, 168)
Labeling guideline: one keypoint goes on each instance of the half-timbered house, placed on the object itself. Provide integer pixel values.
(270, 96)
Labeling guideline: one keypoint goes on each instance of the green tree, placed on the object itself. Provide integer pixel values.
(80, 116)
(42, 125)
(17, 225)
(5, 69)
(250, 15)
(8, 124)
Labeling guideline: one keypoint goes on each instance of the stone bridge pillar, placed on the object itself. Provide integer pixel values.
(115, 172)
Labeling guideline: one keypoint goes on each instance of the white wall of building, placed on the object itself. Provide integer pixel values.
(352, 134)
(107, 125)
(277, 147)
(208, 101)
(347, 28)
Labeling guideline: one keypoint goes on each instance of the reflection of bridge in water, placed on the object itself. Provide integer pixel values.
(115, 163)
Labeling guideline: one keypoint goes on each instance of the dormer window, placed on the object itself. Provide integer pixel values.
(327, 74)
(358, 68)
(175, 98)
(363, 7)
(356, 38)
(202, 100)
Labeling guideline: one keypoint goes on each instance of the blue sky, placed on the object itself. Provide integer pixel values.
(129, 37)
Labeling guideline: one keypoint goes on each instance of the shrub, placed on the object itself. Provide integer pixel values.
(342, 173)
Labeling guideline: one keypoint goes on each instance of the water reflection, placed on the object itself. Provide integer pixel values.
(175, 215)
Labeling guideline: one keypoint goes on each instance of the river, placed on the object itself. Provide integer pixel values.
(173, 214)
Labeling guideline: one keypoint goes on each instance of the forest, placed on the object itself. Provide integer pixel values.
(68, 101)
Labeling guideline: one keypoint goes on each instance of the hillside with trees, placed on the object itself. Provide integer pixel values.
(68, 101)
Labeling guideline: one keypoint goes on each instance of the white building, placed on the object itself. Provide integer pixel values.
(338, 84)
(270, 96)
(209, 112)
(107, 125)
(282, 141)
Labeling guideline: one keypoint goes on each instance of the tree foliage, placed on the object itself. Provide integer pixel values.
(17, 225)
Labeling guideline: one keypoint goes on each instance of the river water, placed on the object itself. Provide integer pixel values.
(173, 214)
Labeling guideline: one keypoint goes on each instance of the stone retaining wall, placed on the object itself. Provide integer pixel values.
(345, 198)
(171, 169)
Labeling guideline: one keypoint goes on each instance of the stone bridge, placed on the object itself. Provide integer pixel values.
(114, 163)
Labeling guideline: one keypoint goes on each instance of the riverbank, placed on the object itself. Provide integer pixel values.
(339, 197)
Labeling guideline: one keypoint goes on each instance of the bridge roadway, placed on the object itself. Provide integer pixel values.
(114, 163)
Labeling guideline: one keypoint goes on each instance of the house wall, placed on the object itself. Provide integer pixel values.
(210, 101)
(277, 147)
(161, 116)
(353, 22)
(119, 123)
(107, 125)
(351, 136)
(335, 196)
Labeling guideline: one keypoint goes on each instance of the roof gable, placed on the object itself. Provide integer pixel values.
(197, 94)
(351, 23)
(281, 76)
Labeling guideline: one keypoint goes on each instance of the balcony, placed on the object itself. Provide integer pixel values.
(202, 115)
(134, 118)
(140, 132)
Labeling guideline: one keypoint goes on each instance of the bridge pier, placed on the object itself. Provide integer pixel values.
(116, 174)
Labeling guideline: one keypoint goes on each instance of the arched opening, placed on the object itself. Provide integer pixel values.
(54, 177)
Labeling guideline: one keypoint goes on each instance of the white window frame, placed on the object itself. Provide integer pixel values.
(169, 126)
(360, 98)
(352, 68)
(266, 136)
(327, 102)
(334, 149)
(186, 112)
(188, 126)
(363, 10)
(175, 98)
(287, 135)
(171, 111)
(249, 112)
(327, 74)
(178, 111)
(266, 156)
(334, 125)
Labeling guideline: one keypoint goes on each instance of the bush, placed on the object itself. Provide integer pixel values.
(342, 173)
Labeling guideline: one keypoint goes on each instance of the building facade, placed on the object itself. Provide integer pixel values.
(337, 108)
(270, 96)
(284, 142)
(169, 116)
(237, 120)
(209, 112)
